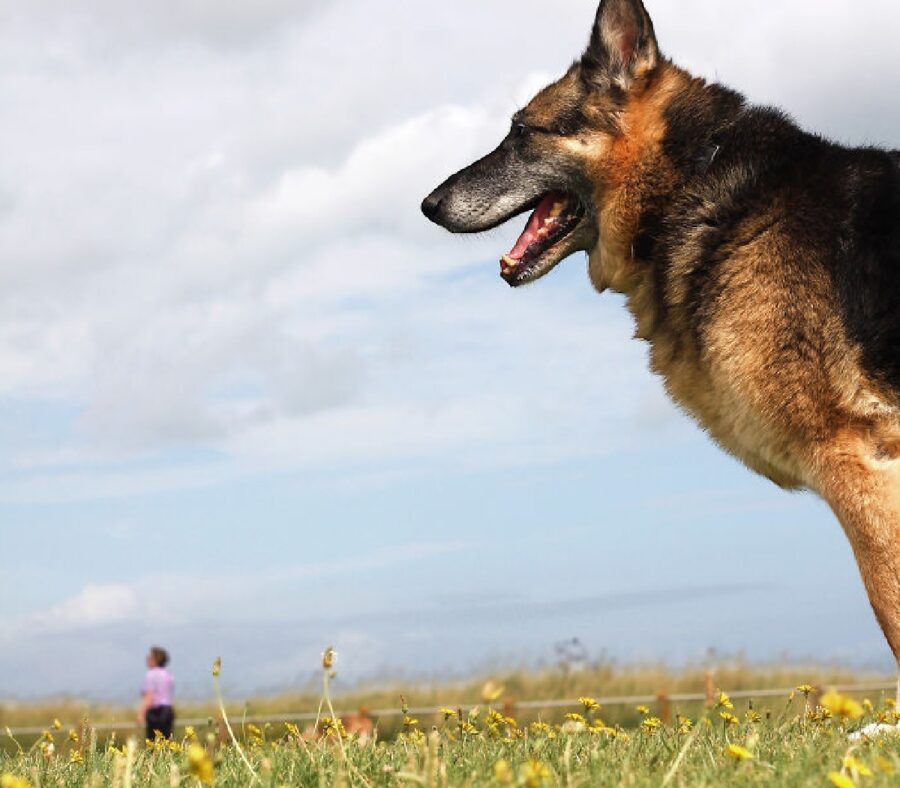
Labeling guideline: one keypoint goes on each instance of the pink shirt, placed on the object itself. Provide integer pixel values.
(159, 682)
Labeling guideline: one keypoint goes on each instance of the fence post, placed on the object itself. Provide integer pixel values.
(662, 701)
(710, 689)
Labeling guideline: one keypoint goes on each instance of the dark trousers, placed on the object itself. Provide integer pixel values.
(162, 719)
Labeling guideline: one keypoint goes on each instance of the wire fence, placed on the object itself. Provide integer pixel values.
(531, 705)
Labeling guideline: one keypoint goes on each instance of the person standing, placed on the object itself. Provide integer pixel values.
(157, 694)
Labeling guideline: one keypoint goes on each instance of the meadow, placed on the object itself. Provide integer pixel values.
(797, 731)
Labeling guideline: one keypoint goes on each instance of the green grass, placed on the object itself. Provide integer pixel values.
(791, 743)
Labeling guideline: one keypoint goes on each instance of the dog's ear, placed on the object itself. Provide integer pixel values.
(622, 46)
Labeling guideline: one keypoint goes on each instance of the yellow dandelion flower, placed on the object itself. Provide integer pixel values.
(841, 780)
(217, 666)
(540, 727)
(12, 781)
(890, 702)
(642, 709)
(856, 767)
(76, 757)
(73, 736)
(448, 713)
(841, 706)
(56, 725)
(503, 772)
(868, 706)
(650, 724)
(328, 657)
(190, 733)
(806, 689)
(200, 764)
(753, 716)
(724, 701)
(738, 753)
(534, 774)
(589, 704)
(491, 691)
(575, 717)
(729, 718)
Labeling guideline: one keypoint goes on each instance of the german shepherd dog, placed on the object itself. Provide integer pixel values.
(761, 263)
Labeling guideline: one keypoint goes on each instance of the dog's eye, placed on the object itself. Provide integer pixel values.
(519, 130)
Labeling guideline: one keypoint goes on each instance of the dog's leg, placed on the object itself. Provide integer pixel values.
(863, 489)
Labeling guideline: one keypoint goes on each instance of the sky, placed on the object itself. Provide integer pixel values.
(252, 404)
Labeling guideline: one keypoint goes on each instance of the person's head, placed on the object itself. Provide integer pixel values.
(157, 657)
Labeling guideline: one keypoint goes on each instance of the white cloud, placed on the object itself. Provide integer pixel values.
(93, 606)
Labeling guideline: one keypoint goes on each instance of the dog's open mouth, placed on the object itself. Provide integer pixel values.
(543, 243)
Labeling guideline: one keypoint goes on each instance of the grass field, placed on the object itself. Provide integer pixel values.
(799, 738)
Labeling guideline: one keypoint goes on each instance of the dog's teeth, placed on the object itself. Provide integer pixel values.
(556, 210)
(508, 262)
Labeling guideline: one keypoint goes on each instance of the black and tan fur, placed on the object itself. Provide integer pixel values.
(761, 263)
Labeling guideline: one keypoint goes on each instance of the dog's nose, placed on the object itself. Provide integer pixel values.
(432, 204)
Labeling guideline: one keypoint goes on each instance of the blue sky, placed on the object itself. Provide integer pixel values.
(253, 404)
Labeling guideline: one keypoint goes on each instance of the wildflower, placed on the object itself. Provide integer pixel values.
(753, 716)
(685, 724)
(738, 753)
(890, 702)
(650, 724)
(56, 725)
(495, 717)
(328, 657)
(540, 727)
(330, 726)
(491, 691)
(841, 706)
(884, 765)
(200, 764)
(729, 718)
(503, 772)
(217, 666)
(190, 733)
(642, 709)
(841, 780)
(404, 706)
(409, 722)
(867, 705)
(534, 774)
(73, 736)
(468, 728)
(724, 701)
(76, 757)
(448, 713)
(574, 717)
(806, 689)
(11, 781)
(589, 704)
(856, 767)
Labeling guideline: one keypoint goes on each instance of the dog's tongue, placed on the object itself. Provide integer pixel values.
(531, 233)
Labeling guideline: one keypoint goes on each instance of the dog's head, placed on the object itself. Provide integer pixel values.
(559, 158)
